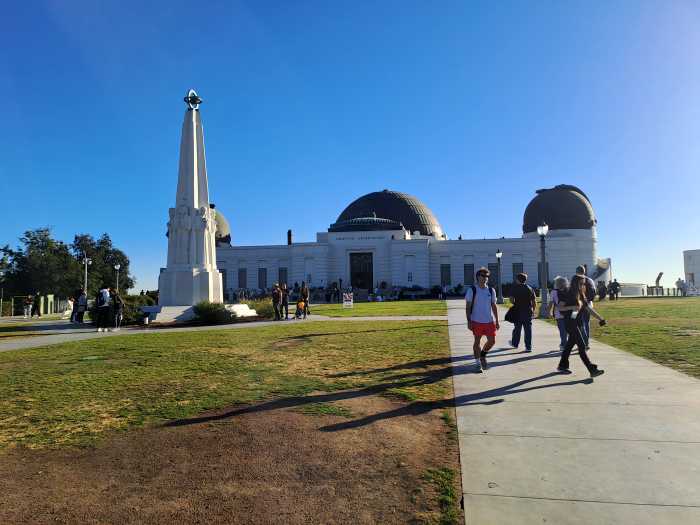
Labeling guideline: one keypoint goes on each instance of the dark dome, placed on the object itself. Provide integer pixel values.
(562, 207)
(389, 210)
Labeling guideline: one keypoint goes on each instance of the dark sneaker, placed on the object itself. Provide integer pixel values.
(528, 350)
(563, 370)
(597, 372)
(483, 362)
(478, 370)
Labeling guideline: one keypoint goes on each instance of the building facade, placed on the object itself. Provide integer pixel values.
(392, 239)
(691, 265)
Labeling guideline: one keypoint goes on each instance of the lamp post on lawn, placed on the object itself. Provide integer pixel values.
(542, 230)
(86, 262)
(2, 291)
(116, 267)
(499, 254)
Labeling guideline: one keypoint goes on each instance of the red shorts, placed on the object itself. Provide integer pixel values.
(487, 329)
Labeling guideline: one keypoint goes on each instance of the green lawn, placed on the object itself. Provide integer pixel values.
(426, 307)
(72, 393)
(665, 330)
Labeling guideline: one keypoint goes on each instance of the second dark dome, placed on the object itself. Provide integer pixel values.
(562, 207)
(393, 206)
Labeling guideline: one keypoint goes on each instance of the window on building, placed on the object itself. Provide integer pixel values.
(468, 274)
(691, 278)
(242, 278)
(445, 275)
(262, 278)
(517, 268)
(283, 275)
(495, 277)
(308, 279)
(410, 277)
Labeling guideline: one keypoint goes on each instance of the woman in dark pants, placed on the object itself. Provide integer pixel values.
(571, 302)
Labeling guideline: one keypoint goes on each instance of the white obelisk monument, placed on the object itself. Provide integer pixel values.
(191, 275)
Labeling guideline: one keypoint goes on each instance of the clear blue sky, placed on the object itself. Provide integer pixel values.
(469, 106)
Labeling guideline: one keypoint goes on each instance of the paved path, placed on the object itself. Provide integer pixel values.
(63, 332)
(539, 447)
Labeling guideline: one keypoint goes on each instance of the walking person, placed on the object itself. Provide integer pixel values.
(102, 309)
(82, 307)
(284, 305)
(560, 284)
(482, 317)
(523, 299)
(116, 309)
(304, 295)
(571, 302)
(36, 305)
(615, 289)
(28, 306)
(581, 279)
(276, 301)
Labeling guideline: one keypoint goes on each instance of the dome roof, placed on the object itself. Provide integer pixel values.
(562, 207)
(388, 210)
(223, 230)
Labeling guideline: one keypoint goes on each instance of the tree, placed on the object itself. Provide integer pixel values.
(43, 264)
(104, 257)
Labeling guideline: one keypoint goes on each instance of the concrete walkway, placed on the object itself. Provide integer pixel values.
(539, 447)
(64, 332)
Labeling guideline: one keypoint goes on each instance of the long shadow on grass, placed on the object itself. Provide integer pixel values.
(398, 329)
(414, 379)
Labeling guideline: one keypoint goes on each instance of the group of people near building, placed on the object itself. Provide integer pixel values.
(571, 305)
(280, 301)
(612, 290)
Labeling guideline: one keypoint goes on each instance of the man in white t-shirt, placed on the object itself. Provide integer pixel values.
(482, 317)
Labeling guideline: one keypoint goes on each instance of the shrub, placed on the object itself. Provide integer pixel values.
(212, 313)
(132, 308)
(263, 307)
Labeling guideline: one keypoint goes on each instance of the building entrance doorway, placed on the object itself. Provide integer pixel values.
(361, 270)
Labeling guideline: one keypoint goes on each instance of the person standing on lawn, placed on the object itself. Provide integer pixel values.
(277, 301)
(304, 296)
(524, 302)
(102, 309)
(482, 317)
(284, 305)
(571, 302)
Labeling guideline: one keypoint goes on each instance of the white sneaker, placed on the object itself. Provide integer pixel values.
(99, 329)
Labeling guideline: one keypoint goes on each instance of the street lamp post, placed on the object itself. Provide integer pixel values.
(499, 254)
(116, 267)
(542, 230)
(2, 291)
(86, 261)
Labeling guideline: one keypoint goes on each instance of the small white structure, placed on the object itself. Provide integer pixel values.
(191, 275)
(691, 264)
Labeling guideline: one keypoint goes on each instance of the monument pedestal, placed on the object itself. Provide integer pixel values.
(181, 314)
(189, 286)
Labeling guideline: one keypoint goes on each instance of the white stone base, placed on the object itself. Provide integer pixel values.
(190, 286)
(181, 314)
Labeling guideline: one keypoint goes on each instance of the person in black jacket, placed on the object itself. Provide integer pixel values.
(524, 303)
(571, 302)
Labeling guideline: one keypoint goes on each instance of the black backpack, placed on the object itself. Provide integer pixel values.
(471, 306)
